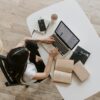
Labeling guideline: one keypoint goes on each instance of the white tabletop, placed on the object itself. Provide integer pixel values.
(72, 15)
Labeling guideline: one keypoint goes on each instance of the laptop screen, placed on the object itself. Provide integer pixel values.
(66, 35)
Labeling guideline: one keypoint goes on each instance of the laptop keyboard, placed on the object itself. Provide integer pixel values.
(61, 48)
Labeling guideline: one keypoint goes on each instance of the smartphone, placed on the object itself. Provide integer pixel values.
(41, 24)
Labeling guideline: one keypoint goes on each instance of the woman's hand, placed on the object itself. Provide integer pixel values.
(53, 53)
(48, 40)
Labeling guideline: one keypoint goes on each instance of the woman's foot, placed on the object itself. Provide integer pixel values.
(38, 58)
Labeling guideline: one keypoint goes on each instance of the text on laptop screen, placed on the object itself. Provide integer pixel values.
(66, 35)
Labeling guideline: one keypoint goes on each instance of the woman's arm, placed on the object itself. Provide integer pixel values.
(48, 40)
(22, 42)
(43, 75)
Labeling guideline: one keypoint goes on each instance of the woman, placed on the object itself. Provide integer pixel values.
(36, 70)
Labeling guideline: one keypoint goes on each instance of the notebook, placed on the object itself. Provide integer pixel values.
(80, 54)
(63, 71)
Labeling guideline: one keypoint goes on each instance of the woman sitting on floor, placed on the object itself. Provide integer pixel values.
(36, 70)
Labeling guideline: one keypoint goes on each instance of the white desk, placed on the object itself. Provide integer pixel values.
(73, 16)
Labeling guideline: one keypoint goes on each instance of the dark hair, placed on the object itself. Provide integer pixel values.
(17, 61)
(31, 45)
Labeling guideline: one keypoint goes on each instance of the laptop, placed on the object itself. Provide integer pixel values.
(65, 39)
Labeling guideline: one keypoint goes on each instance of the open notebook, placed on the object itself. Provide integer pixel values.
(63, 71)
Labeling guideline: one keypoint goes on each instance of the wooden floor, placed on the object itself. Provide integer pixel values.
(13, 28)
(92, 9)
